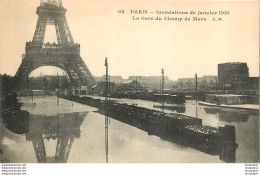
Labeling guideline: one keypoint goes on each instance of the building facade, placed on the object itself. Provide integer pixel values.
(233, 76)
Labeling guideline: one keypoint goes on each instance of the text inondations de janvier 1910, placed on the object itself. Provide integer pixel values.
(176, 15)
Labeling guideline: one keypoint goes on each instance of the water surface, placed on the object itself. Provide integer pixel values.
(67, 132)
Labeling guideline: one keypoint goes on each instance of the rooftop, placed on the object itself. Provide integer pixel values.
(233, 63)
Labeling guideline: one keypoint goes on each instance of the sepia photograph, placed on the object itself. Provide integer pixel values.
(129, 81)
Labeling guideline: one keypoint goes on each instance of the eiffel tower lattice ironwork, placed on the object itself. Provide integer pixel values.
(65, 54)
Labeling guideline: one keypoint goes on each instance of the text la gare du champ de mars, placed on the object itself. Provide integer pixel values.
(169, 15)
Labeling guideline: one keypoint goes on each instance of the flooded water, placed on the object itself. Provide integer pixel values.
(62, 131)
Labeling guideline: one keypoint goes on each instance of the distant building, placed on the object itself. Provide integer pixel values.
(48, 82)
(100, 88)
(114, 79)
(233, 75)
(205, 82)
(152, 82)
(129, 86)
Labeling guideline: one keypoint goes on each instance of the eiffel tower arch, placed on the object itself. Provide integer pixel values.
(64, 54)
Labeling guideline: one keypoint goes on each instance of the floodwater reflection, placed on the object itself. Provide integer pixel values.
(229, 116)
(64, 128)
(61, 128)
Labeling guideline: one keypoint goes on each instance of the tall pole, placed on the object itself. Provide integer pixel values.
(106, 111)
(109, 91)
(109, 84)
(135, 84)
(162, 91)
(32, 97)
(196, 110)
(216, 83)
(196, 87)
(58, 100)
(196, 95)
(58, 87)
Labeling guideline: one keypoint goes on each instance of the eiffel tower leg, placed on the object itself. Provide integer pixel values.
(57, 33)
(40, 30)
(68, 30)
(39, 149)
(86, 73)
(21, 77)
(67, 153)
(82, 71)
(62, 30)
(63, 148)
(73, 76)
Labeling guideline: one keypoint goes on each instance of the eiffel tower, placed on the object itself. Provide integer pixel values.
(64, 54)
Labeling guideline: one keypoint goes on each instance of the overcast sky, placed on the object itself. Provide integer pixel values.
(140, 47)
